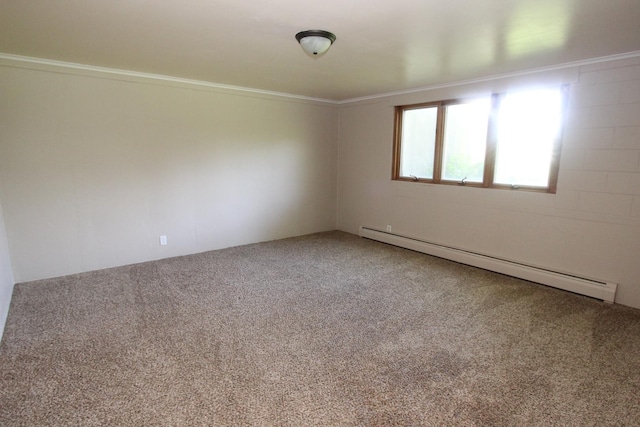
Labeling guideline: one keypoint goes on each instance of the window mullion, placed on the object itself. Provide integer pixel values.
(439, 151)
(492, 142)
(555, 157)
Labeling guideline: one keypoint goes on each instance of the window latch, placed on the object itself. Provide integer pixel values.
(415, 178)
(515, 187)
(463, 181)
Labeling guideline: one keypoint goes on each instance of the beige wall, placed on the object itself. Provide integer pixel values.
(94, 168)
(6, 274)
(591, 227)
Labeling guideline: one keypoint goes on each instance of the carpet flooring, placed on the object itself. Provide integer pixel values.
(321, 330)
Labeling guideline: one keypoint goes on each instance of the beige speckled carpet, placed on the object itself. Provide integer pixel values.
(328, 330)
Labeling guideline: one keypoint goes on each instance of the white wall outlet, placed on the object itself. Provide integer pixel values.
(388, 229)
(163, 240)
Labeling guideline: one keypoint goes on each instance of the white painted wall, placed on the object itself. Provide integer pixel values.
(591, 227)
(6, 275)
(94, 168)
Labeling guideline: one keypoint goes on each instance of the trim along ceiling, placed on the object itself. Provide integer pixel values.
(381, 47)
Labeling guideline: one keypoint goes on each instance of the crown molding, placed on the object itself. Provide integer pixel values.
(31, 62)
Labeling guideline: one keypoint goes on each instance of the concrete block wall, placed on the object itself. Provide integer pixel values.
(601, 148)
(589, 228)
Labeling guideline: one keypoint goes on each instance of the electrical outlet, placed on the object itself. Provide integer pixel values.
(388, 229)
(163, 240)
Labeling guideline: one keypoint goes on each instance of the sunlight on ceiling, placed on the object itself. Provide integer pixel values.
(538, 27)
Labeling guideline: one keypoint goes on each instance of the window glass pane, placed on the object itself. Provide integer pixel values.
(528, 126)
(465, 140)
(418, 142)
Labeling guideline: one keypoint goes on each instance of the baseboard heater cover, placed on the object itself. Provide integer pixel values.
(592, 288)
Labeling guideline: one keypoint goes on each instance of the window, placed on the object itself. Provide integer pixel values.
(465, 140)
(419, 132)
(507, 140)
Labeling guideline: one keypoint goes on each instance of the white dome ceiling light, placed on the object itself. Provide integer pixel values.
(315, 42)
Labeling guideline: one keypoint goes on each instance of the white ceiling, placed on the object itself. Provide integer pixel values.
(382, 46)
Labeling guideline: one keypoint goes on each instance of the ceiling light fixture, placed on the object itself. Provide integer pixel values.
(315, 42)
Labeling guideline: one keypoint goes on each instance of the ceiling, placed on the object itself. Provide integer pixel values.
(382, 46)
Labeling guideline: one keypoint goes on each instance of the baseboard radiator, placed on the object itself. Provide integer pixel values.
(584, 286)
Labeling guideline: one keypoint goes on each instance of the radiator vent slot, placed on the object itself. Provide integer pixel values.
(580, 285)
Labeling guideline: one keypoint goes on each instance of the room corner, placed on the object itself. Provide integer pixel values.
(6, 275)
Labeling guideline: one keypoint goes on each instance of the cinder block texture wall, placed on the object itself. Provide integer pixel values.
(590, 228)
